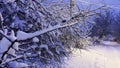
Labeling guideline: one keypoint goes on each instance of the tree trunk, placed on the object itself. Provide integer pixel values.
(72, 4)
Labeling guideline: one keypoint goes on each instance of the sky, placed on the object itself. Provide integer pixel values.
(115, 4)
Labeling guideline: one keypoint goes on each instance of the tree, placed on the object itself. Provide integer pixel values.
(115, 29)
(72, 5)
(38, 32)
(102, 24)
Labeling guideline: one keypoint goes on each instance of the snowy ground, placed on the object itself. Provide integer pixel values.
(96, 57)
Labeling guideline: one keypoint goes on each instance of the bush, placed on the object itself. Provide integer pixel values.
(102, 24)
(115, 28)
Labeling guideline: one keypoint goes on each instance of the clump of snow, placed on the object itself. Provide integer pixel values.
(16, 46)
(5, 31)
(12, 36)
(30, 25)
(22, 35)
(35, 39)
(12, 52)
(44, 46)
(5, 56)
(8, 1)
(16, 64)
(39, 53)
(4, 44)
(28, 54)
(1, 18)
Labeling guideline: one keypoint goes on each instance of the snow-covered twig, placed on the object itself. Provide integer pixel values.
(9, 60)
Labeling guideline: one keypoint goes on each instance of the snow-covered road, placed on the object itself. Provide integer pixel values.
(95, 57)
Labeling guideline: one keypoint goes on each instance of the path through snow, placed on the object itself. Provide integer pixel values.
(95, 57)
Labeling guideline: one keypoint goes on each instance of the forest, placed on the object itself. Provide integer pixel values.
(44, 33)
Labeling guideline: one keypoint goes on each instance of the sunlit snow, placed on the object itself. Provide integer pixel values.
(95, 57)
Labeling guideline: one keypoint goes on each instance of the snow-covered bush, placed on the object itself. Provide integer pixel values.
(115, 28)
(102, 24)
(37, 34)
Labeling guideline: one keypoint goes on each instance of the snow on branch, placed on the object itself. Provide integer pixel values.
(7, 43)
(23, 36)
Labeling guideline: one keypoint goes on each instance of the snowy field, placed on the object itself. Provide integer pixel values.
(96, 57)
